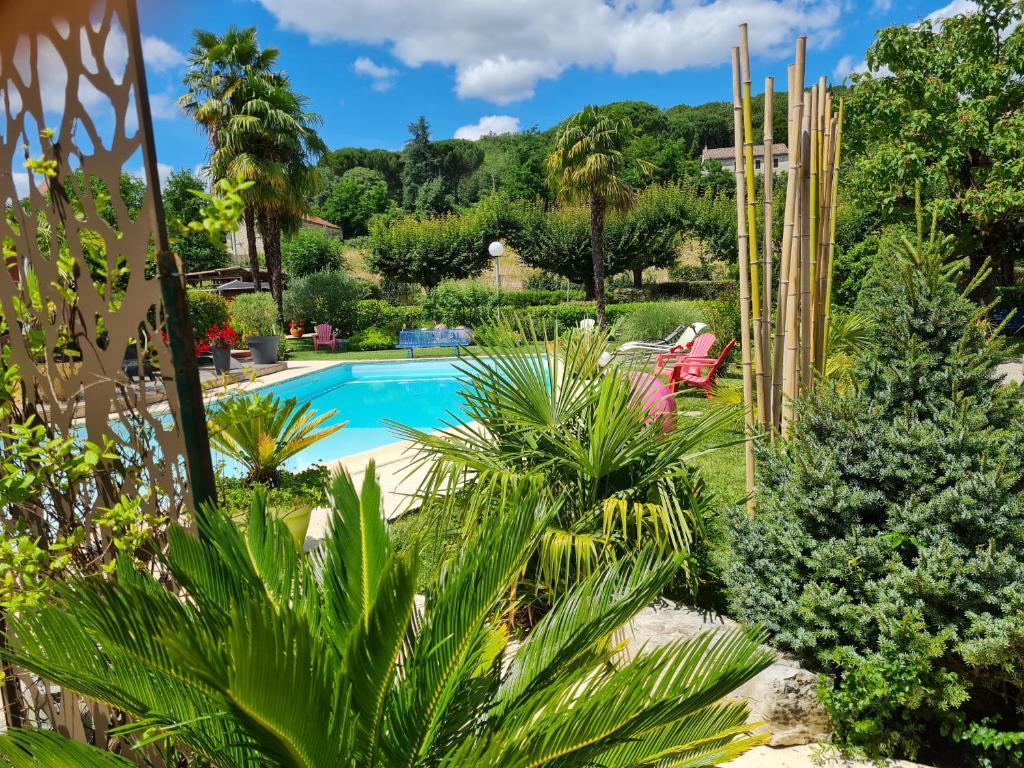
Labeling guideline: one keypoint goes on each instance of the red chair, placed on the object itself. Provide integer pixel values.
(325, 337)
(691, 371)
(699, 347)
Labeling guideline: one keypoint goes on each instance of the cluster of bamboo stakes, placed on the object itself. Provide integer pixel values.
(782, 359)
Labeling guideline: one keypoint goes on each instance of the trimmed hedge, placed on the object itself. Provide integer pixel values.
(707, 290)
(372, 339)
(377, 312)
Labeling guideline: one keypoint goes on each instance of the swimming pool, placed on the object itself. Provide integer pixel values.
(418, 394)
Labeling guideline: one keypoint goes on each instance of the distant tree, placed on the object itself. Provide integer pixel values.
(942, 105)
(457, 160)
(556, 241)
(645, 235)
(432, 198)
(354, 198)
(420, 162)
(385, 162)
(588, 165)
(196, 250)
(428, 250)
(311, 250)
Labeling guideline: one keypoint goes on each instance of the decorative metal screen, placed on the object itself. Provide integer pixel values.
(84, 319)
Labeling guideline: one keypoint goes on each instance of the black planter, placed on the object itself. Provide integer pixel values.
(221, 359)
(263, 348)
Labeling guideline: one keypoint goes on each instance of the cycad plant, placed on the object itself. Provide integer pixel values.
(262, 432)
(269, 657)
(552, 414)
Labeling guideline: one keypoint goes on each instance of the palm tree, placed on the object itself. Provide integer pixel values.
(271, 140)
(219, 66)
(617, 478)
(271, 657)
(588, 166)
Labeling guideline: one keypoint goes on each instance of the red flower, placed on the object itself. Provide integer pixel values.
(221, 336)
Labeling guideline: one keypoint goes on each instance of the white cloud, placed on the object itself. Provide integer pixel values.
(160, 55)
(163, 170)
(500, 50)
(383, 77)
(881, 6)
(502, 80)
(486, 126)
(20, 183)
(955, 8)
(848, 65)
(163, 106)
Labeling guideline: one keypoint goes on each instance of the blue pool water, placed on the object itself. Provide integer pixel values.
(419, 394)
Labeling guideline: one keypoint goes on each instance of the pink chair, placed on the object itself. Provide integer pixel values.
(655, 397)
(325, 337)
(699, 347)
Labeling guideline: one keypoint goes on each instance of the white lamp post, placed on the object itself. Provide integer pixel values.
(496, 249)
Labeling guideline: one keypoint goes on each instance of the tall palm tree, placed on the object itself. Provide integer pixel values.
(271, 140)
(588, 165)
(272, 657)
(219, 66)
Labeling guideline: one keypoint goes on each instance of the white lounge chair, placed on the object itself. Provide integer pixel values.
(681, 336)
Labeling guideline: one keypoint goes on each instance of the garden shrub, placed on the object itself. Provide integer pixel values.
(324, 297)
(546, 281)
(254, 314)
(654, 321)
(376, 312)
(888, 544)
(206, 308)
(371, 339)
(235, 494)
(311, 250)
(710, 290)
(467, 303)
(723, 319)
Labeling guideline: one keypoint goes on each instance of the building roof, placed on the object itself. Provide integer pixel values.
(319, 222)
(728, 153)
(238, 286)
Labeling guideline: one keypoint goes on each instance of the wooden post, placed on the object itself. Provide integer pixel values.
(742, 256)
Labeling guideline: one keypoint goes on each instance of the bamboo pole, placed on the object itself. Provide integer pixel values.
(791, 359)
(781, 318)
(757, 319)
(813, 208)
(766, 413)
(806, 377)
(742, 255)
(832, 223)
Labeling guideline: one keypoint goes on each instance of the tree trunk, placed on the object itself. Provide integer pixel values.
(597, 253)
(14, 714)
(588, 287)
(638, 277)
(250, 236)
(270, 226)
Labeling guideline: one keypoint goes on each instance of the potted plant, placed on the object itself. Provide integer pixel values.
(254, 314)
(295, 328)
(221, 339)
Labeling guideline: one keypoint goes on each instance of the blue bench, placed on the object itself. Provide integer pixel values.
(453, 337)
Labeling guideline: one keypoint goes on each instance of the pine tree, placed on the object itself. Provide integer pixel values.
(888, 543)
(421, 163)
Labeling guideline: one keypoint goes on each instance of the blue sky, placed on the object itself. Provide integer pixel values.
(370, 67)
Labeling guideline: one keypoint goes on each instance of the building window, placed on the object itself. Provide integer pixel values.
(775, 162)
(757, 164)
